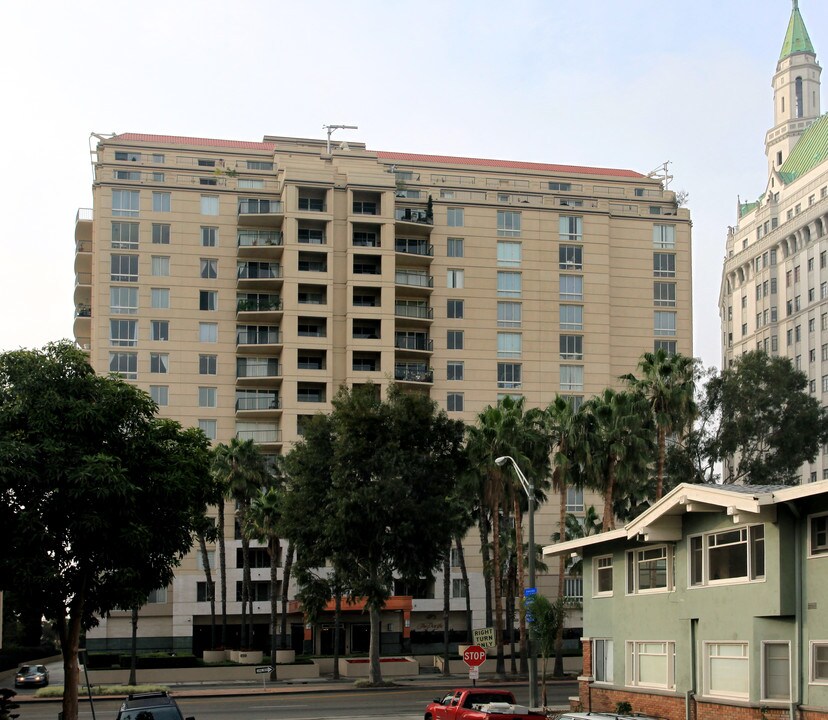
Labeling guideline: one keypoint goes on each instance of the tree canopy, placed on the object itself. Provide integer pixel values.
(99, 497)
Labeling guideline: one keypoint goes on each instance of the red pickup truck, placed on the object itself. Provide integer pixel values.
(478, 704)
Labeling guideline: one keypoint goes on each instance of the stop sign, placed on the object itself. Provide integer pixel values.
(474, 655)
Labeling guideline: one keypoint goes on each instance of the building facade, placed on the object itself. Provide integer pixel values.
(774, 291)
(242, 283)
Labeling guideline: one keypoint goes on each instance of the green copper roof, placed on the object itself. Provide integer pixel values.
(810, 150)
(796, 39)
(745, 208)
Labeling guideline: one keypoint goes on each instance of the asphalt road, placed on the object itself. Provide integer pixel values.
(406, 703)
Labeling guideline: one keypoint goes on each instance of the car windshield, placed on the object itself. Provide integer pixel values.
(169, 712)
(25, 670)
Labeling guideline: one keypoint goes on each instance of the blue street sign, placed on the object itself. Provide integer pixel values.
(529, 592)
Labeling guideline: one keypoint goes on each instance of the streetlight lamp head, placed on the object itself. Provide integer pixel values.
(502, 460)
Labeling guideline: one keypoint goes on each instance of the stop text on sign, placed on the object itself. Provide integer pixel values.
(474, 656)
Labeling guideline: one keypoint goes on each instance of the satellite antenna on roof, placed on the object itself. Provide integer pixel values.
(331, 128)
(662, 173)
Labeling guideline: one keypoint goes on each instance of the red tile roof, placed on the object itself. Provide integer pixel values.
(206, 142)
(512, 164)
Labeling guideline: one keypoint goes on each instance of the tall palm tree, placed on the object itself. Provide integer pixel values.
(668, 383)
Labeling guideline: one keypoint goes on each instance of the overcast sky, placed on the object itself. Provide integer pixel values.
(613, 83)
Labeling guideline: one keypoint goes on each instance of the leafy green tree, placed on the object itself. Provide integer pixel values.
(668, 383)
(391, 463)
(547, 621)
(105, 494)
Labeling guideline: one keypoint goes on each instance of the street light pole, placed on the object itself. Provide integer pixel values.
(529, 489)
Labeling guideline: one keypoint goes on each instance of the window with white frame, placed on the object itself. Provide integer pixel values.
(124, 364)
(455, 217)
(160, 330)
(160, 234)
(508, 253)
(208, 268)
(819, 662)
(455, 370)
(160, 298)
(509, 344)
(125, 235)
(455, 278)
(572, 377)
(571, 287)
(208, 427)
(664, 264)
(160, 265)
(602, 660)
(651, 664)
(508, 223)
(123, 300)
(209, 205)
(123, 268)
(125, 203)
(209, 236)
(818, 534)
(207, 364)
(454, 247)
(571, 347)
(159, 363)
(664, 322)
(508, 375)
(508, 313)
(570, 257)
(572, 317)
(776, 671)
(458, 588)
(158, 596)
(508, 283)
(123, 333)
(160, 394)
(454, 402)
(570, 229)
(161, 202)
(208, 300)
(208, 332)
(664, 294)
(727, 670)
(574, 499)
(602, 575)
(728, 556)
(207, 397)
(649, 570)
(664, 237)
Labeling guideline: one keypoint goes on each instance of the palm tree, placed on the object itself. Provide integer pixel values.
(576, 528)
(668, 382)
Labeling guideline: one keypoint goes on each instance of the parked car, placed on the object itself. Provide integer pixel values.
(32, 676)
(150, 706)
(478, 704)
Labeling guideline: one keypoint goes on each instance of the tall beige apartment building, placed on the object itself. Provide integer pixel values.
(242, 283)
(774, 291)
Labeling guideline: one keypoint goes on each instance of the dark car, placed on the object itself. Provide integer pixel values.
(32, 676)
(150, 706)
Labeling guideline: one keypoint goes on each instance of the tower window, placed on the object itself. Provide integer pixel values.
(798, 93)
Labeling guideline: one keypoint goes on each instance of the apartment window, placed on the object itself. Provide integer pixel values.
(572, 377)
(728, 556)
(160, 394)
(209, 268)
(458, 588)
(508, 314)
(123, 333)
(160, 330)
(454, 340)
(160, 266)
(161, 202)
(207, 397)
(664, 294)
(651, 664)
(571, 347)
(664, 323)
(208, 299)
(649, 570)
(508, 253)
(208, 332)
(560, 186)
(819, 662)
(157, 596)
(818, 534)
(159, 363)
(125, 156)
(125, 235)
(250, 184)
(664, 237)
(125, 203)
(574, 500)
(209, 205)
(454, 247)
(776, 671)
(508, 283)
(455, 217)
(160, 298)
(668, 346)
(454, 309)
(454, 278)
(509, 344)
(602, 660)
(160, 234)
(202, 592)
(508, 223)
(454, 370)
(570, 257)
(508, 375)
(208, 427)
(664, 265)
(572, 317)
(571, 287)
(454, 402)
(124, 364)
(123, 268)
(207, 364)
(570, 229)
(124, 300)
(727, 670)
(209, 236)
(602, 575)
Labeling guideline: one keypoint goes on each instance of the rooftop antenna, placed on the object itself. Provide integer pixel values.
(93, 151)
(662, 173)
(331, 128)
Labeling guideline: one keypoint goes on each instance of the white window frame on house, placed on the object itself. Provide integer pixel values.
(571, 287)
(455, 217)
(574, 499)
(571, 317)
(571, 377)
(647, 656)
(570, 257)
(664, 237)
(458, 588)
(664, 322)
(123, 332)
(454, 402)
(123, 268)
(509, 283)
(570, 228)
(160, 298)
(160, 265)
(508, 223)
(508, 253)
(208, 332)
(124, 364)
(818, 533)
(785, 667)
(509, 376)
(126, 203)
(509, 344)
(571, 347)
(123, 300)
(602, 660)
(509, 313)
(455, 370)
(747, 540)
(207, 397)
(740, 659)
(161, 202)
(664, 294)
(209, 236)
(209, 204)
(209, 428)
(160, 394)
(159, 363)
(818, 662)
(455, 247)
(160, 330)
(125, 235)
(602, 567)
(455, 278)
(647, 556)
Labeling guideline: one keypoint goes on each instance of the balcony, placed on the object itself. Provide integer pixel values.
(416, 311)
(259, 243)
(261, 337)
(82, 327)
(414, 220)
(414, 279)
(261, 212)
(419, 342)
(312, 204)
(258, 371)
(263, 436)
(365, 207)
(258, 303)
(259, 275)
(417, 247)
(251, 403)
(413, 372)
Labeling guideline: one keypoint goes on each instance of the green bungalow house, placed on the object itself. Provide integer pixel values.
(711, 604)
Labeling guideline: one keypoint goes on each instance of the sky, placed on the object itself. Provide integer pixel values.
(610, 83)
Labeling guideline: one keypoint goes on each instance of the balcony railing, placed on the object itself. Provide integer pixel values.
(83, 279)
(84, 246)
(258, 403)
(413, 373)
(414, 215)
(312, 204)
(415, 279)
(259, 271)
(260, 304)
(367, 269)
(259, 238)
(413, 247)
(257, 337)
(260, 436)
(404, 342)
(423, 312)
(260, 207)
(363, 207)
(258, 370)
(84, 214)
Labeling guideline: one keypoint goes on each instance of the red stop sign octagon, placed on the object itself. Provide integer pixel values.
(474, 655)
